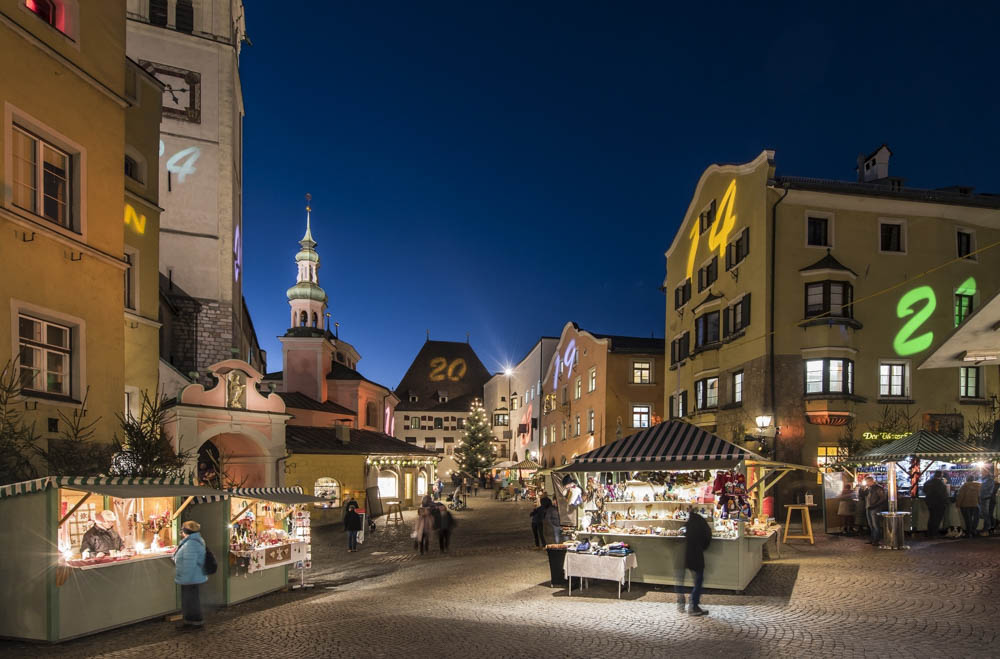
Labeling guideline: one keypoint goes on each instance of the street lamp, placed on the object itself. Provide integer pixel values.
(763, 423)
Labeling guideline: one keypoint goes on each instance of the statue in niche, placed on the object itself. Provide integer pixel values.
(236, 390)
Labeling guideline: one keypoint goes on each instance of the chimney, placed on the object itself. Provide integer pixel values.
(874, 166)
(343, 433)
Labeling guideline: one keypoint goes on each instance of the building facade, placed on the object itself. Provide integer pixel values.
(435, 397)
(598, 388)
(193, 49)
(77, 282)
(512, 400)
(798, 309)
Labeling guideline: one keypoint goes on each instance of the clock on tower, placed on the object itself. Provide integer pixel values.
(181, 91)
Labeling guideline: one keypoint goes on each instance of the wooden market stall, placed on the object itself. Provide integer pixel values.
(258, 535)
(86, 554)
(639, 489)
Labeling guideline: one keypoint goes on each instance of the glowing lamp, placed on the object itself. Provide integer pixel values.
(139, 547)
(508, 371)
(763, 421)
(67, 554)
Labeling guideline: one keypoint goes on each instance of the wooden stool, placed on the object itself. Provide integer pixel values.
(806, 523)
(394, 514)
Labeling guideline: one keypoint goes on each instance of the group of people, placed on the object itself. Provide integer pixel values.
(433, 516)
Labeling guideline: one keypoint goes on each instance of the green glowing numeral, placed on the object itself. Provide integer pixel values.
(905, 343)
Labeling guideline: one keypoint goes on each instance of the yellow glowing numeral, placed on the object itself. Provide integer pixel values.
(138, 221)
(718, 237)
(695, 236)
(455, 370)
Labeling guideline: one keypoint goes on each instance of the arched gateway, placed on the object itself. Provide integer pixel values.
(234, 434)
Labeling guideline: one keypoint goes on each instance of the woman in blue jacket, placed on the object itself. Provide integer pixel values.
(189, 560)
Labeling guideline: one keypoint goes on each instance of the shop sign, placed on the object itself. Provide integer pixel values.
(884, 435)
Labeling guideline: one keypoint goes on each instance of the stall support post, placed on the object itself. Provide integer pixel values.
(52, 498)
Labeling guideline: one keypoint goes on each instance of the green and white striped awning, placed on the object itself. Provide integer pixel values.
(286, 495)
(114, 486)
(668, 445)
(925, 445)
(526, 464)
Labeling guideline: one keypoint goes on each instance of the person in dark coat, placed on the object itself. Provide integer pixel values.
(877, 502)
(352, 524)
(102, 538)
(697, 535)
(538, 521)
(936, 496)
(443, 524)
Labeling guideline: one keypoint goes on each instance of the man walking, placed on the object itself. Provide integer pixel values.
(987, 492)
(698, 535)
(936, 496)
(877, 502)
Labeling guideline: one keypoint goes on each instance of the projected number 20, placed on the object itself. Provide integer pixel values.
(442, 368)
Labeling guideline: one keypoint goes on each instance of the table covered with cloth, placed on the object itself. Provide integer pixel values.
(593, 566)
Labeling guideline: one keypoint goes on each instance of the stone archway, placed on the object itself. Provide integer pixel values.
(242, 462)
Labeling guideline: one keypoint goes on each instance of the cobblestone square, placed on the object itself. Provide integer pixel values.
(490, 598)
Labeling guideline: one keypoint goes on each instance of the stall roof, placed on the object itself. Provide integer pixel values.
(506, 464)
(926, 445)
(124, 488)
(526, 464)
(668, 445)
(286, 495)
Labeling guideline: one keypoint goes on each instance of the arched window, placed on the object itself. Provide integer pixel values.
(388, 485)
(158, 12)
(329, 489)
(303, 319)
(315, 320)
(185, 16)
(421, 484)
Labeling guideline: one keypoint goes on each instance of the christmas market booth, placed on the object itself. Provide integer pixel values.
(639, 490)
(259, 536)
(906, 464)
(86, 554)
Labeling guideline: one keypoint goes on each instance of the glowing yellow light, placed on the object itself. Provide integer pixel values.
(137, 221)
(139, 547)
(67, 554)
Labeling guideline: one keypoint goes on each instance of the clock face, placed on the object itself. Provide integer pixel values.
(176, 93)
(181, 91)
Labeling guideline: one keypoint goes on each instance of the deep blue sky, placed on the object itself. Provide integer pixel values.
(502, 168)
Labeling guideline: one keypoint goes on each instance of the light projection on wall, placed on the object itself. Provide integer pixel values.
(453, 371)
(237, 253)
(718, 235)
(918, 304)
(564, 362)
(136, 220)
(182, 162)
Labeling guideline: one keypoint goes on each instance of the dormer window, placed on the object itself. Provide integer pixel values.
(414, 398)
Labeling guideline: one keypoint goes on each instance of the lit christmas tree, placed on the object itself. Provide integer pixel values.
(475, 452)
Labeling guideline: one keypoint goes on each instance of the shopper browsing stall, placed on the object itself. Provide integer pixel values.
(190, 573)
(877, 502)
(697, 535)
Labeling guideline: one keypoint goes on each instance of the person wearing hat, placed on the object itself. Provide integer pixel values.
(102, 538)
(189, 560)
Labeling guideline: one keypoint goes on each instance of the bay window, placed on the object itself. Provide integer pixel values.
(829, 298)
(829, 376)
(706, 329)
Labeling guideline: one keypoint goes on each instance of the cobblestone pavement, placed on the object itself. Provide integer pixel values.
(490, 598)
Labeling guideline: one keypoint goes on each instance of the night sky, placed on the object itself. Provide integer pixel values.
(502, 168)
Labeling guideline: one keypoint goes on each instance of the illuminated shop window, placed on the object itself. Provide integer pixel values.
(826, 456)
(42, 178)
(642, 372)
(706, 393)
(44, 356)
(421, 485)
(966, 244)
(829, 376)
(829, 298)
(388, 485)
(893, 379)
(640, 416)
(818, 232)
(706, 329)
(328, 489)
(968, 382)
(738, 387)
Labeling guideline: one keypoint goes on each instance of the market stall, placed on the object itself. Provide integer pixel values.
(639, 490)
(85, 554)
(258, 535)
(904, 465)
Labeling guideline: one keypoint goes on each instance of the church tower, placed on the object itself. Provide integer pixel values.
(306, 298)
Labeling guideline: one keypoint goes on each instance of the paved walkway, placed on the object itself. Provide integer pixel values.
(490, 598)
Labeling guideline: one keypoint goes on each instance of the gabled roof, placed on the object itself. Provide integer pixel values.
(927, 445)
(311, 439)
(296, 400)
(340, 372)
(642, 344)
(828, 263)
(425, 379)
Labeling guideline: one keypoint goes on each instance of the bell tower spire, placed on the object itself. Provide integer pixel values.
(307, 300)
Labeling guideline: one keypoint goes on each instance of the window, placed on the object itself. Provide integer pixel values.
(371, 416)
(640, 416)
(414, 423)
(514, 400)
(893, 380)
(563, 436)
(738, 250)
(565, 395)
(500, 419)
(678, 405)
(706, 393)
(706, 218)
(680, 348)
(545, 436)
(590, 421)
(592, 380)
(818, 232)
(966, 244)
(388, 485)
(44, 9)
(968, 382)
(708, 273)
(461, 423)
(641, 373)
(130, 273)
(578, 388)
(158, 12)
(892, 236)
(963, 307)
(706, 329)
(132, 168)
(329, 489)
(41, 178)
(829, 298)
(826, 456)
(738, 387)
(829, 376)
(682, 294)
(185, 16)
(577, 426)
(736, 316)
(45, 356)
(438, 423)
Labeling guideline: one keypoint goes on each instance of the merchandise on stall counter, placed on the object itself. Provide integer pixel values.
(262, 536)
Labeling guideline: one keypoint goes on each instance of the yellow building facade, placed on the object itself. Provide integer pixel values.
(71, 105)
(812, 302)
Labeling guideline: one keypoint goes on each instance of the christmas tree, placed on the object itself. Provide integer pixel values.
(475, 453)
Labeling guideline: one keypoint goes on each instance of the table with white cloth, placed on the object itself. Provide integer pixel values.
(594, 566)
